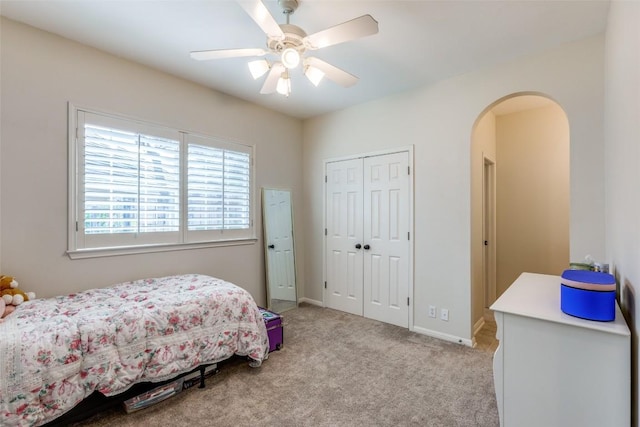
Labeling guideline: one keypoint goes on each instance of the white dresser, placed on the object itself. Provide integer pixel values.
(552, 369)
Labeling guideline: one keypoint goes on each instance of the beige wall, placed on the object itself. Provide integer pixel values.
(438, 121)
(622, 143)
(1, 269)
(40, 74)
(532, 194)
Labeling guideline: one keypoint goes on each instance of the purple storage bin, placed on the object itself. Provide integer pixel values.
(273, 322)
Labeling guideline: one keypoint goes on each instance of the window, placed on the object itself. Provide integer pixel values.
(218, 189)
(136, 186)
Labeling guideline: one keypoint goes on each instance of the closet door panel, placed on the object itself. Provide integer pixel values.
(344, 269)
(386, 232)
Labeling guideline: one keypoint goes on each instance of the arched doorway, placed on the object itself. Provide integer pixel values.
(519, 196)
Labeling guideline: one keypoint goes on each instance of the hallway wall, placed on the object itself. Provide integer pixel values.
(532, 195)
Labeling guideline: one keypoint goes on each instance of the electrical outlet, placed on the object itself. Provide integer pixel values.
(444, 314)
(432, 311)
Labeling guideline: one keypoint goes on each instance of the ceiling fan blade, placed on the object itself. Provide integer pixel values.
(259, 13)
(331, 72)
(202, 55)
(350, 30)
(271, 82)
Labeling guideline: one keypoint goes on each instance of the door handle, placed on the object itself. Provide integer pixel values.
(271, 246)
(367, 247)
(358, 246)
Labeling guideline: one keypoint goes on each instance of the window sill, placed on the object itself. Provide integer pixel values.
(145, 249)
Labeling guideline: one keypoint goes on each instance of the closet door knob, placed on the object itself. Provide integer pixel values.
(271, 246)
(367, 247)
(358, 246)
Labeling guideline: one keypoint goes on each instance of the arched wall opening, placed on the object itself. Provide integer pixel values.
(520, 195)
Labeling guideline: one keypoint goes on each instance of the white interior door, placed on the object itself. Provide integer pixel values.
(367, 237)
(386, 238)
(343, 235)
(279, 239)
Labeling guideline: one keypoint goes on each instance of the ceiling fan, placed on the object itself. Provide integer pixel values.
(290, 43)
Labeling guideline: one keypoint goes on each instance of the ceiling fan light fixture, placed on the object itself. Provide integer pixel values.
(290, 57)
(290, 44)
(258, 68)
(284, 85)
(314, 74)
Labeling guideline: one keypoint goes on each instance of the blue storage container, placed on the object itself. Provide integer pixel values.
(588, 294)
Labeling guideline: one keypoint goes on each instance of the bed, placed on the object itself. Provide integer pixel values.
(55, 352)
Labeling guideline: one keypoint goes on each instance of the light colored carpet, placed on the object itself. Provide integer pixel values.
(336, 369)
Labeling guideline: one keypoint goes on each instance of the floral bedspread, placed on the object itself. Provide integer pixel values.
(55, 352)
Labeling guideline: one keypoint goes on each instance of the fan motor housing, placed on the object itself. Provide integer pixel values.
(293, 36)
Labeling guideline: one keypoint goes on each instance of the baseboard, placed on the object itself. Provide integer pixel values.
(476, 328)
(311, 301)
(479, 324)
(442, 336)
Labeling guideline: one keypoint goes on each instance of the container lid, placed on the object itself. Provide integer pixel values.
(594, 277)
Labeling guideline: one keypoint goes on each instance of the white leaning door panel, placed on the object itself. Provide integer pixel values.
(280, 253)
(344, 233)
(386, 238)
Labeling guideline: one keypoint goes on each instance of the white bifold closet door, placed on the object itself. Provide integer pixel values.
(367, 237)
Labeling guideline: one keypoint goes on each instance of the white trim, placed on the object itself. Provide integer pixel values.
(145, 249)
(408, 148)
(478, 325)
(442, 336)
(324, 232)
(491, 262)
(72, 168)
(412, 236)
(476, 328)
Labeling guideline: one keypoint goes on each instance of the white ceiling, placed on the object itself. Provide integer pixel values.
(419, 42)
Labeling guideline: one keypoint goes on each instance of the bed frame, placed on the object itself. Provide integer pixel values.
(98, 403)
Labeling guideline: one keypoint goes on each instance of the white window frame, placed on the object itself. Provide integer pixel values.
(122, 244)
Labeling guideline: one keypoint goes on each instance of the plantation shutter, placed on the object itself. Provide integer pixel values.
(237, 168)
(159, 184)
(110, 181)
(130, 183)
(218, 189)
(204, 188)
